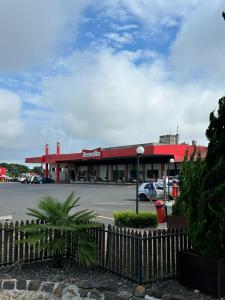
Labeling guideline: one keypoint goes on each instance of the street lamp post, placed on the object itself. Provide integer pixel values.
(170, 162)
(140, 151)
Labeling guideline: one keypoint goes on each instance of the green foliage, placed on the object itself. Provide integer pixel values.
(216, 136)
(37, 170)
(15, 169)
(180, 206)
(62, 223)
(133, 220)
(202, 187)
(207, 213)
(190, 182)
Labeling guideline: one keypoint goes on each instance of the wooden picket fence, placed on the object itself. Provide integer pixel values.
(141, 256)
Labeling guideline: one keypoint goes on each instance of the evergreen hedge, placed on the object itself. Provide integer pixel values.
(131, 219)
(206, 212)
(190, 183)
(202, 197)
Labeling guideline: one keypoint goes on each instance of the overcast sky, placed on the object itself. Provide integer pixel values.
(99, 73)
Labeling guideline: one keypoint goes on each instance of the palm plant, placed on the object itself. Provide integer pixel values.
(59, 228)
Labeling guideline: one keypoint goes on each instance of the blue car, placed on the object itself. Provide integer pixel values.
(47, 180)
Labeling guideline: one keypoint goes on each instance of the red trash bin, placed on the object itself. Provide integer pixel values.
(160, 209)
(175, 190)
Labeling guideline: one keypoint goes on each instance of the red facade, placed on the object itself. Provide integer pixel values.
(73, 164)
(175, 151)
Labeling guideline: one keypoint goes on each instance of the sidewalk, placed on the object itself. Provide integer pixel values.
(103, 182)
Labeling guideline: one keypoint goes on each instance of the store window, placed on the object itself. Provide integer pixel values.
(152, 173)
(118, 175)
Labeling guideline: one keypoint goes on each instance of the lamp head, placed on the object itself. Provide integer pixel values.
(140, 150)
(172, 160)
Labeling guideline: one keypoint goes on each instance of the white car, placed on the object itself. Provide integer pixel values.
(23, 179)
(152, 191)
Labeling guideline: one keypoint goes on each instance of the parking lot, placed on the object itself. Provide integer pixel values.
(103, 199)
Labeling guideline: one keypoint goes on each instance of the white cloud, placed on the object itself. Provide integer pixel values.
(107, 98)
(30, 30)
(119, 39)
(10, 116)
(198, 51)
(150, 12)
(22, 130)
(124, 27)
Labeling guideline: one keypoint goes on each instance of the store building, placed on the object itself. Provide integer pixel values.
(116, 164)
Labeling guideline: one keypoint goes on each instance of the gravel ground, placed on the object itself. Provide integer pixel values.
(71, 273)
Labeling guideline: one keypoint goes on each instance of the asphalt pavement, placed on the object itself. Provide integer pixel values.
(103, 199)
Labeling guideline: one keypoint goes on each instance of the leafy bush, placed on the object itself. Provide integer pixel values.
(131, 219)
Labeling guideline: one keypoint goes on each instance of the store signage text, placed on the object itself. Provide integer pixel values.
(95, 153)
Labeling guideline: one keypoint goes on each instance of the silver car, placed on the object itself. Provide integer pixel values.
(150, 191)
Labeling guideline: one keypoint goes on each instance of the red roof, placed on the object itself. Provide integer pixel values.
(177, 151)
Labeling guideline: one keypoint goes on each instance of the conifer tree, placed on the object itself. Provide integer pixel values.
(206, 212)
(190, 176)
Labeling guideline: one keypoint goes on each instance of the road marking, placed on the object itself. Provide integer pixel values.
(105, 217)
(8, 217)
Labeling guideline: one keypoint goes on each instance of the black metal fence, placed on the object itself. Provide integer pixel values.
(142, 256)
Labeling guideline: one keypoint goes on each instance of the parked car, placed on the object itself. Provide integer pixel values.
(176, 179)
(47, 180)
(152, 191)
(42, 180)
(24, 180)
(36, 179)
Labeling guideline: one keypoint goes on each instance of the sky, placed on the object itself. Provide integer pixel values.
(107, 73)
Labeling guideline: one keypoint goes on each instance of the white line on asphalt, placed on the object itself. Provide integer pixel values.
(8, 217)
(105, 217)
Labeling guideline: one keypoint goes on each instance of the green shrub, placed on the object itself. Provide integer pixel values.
(202, 197)
(131, 219)
(190, 185)
(206, 210)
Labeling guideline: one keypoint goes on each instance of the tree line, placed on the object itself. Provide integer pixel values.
(15, 170)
